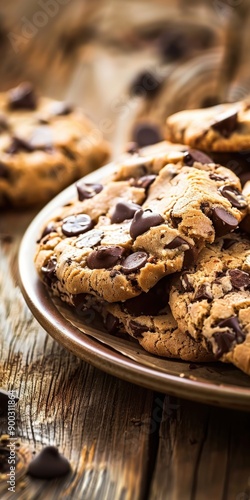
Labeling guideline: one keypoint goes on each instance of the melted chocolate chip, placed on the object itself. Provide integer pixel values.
(203, 293)
(134, 262)
(226, 123)
(233, 195)
(112, 323)
(86, 191)
(49, 271)
(216, 177)
(225, 339)
(223, 221)
(143, 221)
(105, 257)
(228, 243)
(76, 224)
(18, 145)
(145, 84)
(145, 181)
(189, 257)
(23, 97)
(50, 228)
(4, 171)
(137, 329)
(90, 240)
(150, 303)
(176, 243)
(239, 279)
(185, 283)
(49, 464)
(193, 155)
(123, 211)
(145, 134)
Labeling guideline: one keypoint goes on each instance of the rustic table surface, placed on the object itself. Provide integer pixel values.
(123, 442)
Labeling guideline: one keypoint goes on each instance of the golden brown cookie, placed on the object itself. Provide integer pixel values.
(45, 145)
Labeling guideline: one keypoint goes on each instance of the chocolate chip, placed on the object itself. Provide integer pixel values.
(146, 84)
(193, 155)
(104, 257)
(145, 134)
(150, 303)
(60, 109)
(225, 339)
(4, 171)
(185, 283)
(226, 123)
(112, 323)
(86, 191)
(239, 279)
(49, 271)
(18, 145)
(228, 243)
(137, 329)
(49, 464)
(143, 221)
(203, 293)
(189, 257)
(123, 211)
(90, 240)
(233, 195)
(216, 177)
(134, 262)
(22, 97)
(223, 221)
(76, 224)
(79, 301)
(50, 228)
(176, 243)
(145, 181)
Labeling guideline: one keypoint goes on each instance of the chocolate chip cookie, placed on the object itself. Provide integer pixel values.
(45, 145)
(219, 128)
(149, 320)
(121, 237)
(212, 300)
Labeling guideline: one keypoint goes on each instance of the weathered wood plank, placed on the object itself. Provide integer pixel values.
(203, 453)
(100, 423)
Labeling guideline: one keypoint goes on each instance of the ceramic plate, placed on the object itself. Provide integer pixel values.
(217, 384)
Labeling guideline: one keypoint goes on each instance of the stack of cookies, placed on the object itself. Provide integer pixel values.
(157, 250)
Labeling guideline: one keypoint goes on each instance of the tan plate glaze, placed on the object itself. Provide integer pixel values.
(216, 384)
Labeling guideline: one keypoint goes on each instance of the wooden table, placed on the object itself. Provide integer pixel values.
(123, 442)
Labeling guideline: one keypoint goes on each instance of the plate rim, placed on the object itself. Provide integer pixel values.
(92, 351)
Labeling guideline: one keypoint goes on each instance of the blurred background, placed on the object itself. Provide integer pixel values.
(128, 61)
